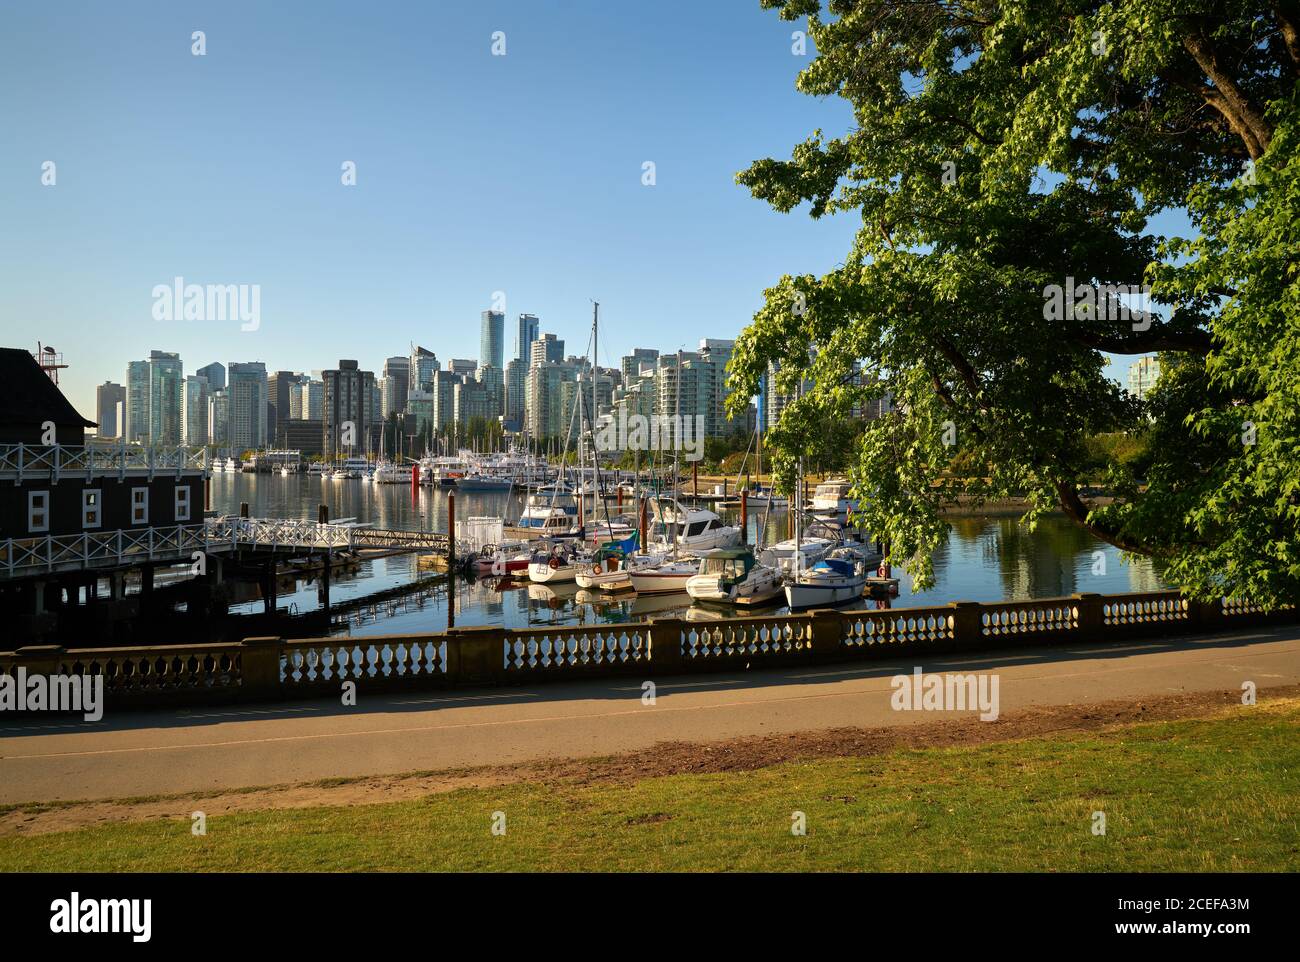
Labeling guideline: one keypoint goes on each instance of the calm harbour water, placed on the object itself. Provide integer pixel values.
(984, 559)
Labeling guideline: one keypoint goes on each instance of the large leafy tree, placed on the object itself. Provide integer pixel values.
(1004, 150)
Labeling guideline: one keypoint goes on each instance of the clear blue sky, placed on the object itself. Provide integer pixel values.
(476, 173)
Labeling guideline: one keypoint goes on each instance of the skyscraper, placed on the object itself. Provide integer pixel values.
(278, 386)
(491, 351)
(423, 363)
(396, 386)
(107, 397)
(524, 338)
(545, 349)
(153, 399)
(349, 410)
(247, 392)
(194, 411)
(215, 374)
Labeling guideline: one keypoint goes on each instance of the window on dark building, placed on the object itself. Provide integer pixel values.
(90, 508)
(38, 511)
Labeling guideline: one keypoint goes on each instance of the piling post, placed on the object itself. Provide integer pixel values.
(323, 514)
(641, 521)
(268, 585)
(744, 516)
(243, 509)
(451, 532)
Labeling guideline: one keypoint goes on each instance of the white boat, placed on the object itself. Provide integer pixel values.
(837, 578)
(810, 549)
(610, 568)
(550, 510)
(388, 473)
(286, 470)
(482, 482)
(831, 499)
(691, 530)
(559, 565)
(665, 577)
(318, 468)
(734, 576)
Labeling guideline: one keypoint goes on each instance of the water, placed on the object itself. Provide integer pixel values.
(984, 559)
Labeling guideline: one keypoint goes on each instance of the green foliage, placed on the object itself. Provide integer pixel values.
(996, 151)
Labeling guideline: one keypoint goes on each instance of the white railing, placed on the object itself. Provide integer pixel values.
(52, 460)
(277, 533)
(27, 556)
(24, 556)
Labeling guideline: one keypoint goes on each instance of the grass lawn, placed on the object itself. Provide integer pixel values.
(1213, 794)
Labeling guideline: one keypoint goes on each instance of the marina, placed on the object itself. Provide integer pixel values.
(984, 559)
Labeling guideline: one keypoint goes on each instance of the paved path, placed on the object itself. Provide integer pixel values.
(221, 748)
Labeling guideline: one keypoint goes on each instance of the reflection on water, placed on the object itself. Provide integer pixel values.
(984, 559)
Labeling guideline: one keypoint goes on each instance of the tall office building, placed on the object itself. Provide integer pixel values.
(463, 366)
(306, 399)
(107, 398)
(349, 410)
(278, 388)
(527, 333)
(491, 351)
(136, 427)
(215, 374)
(194, 411)
(516, 374)
(493, 381)
(396, 385)
(248, 405)
(153, 399)
(219, 417)
(422, 365)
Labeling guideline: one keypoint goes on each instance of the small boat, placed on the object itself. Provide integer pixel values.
(810, 549)
(388, 473)
(831, 500)
(502, 560)
(691, 529)
(837, 578)
(559, 565)
(608, 567)
(734, 576)
(665, 577)
(482, 482)
(319, 468)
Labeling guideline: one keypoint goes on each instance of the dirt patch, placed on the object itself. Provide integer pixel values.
(666, 758)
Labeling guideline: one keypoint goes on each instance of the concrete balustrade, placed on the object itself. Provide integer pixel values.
(269, 668)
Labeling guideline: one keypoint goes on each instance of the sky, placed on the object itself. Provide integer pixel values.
(476, 175)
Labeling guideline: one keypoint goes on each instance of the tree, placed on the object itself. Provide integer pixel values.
(1005, 156)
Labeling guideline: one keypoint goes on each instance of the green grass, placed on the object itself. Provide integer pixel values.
(1218, 794)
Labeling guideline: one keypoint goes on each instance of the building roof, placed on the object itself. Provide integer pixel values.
(29, 395)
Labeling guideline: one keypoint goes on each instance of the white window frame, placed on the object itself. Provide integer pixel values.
(138, 504)
(97, 508)
(182, 503)
(44, 509)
